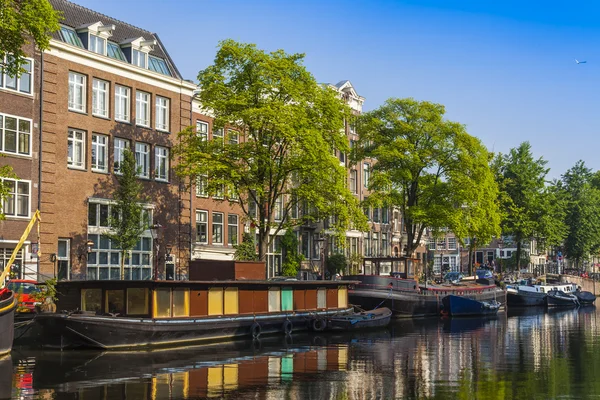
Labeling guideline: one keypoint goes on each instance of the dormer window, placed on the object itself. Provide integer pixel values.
(97, 44)
(114, 51)
(69, 36)
(158, 65)
(138, 58)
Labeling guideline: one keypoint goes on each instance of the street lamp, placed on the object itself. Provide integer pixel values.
(154, 231)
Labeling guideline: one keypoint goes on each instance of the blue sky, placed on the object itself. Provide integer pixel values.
(505, 69)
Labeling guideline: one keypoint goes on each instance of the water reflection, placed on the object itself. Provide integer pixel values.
(523, 354)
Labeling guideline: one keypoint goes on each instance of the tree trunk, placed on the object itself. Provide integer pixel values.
(122, 265)
(519, 255)
(471, 250)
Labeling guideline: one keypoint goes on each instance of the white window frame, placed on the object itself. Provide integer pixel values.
(234, 136)
(77, 87)
(162, 113)
(366, 175)
(201, 185)
(142, 103)
(78, 148)
(66, 258)
(100, 94)
(232, 227)
(353, 181)
(161, 159)
(215, 226)
(199, 222)
(120, 145)
(202, 129)
(137, 56)
(14, 197)
(451, 243)
(122, 99)
(142, 159)
(218, 133)
(20, 135)
(28, 67)
(99, 152)
(94, 41)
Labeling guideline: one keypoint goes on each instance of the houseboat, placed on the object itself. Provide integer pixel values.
(133, 314)
(8, 304)
(408, 298)
(525, 293)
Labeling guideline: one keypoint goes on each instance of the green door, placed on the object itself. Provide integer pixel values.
(287, 299)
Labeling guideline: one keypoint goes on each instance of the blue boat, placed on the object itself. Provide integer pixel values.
(458, 306)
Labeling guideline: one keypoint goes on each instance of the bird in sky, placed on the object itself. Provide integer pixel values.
(580, 62)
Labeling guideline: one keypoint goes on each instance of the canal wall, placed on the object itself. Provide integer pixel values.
(586, 284)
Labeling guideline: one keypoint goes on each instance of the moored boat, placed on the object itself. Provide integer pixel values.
(527, 294)
(406, 298)
(585, 298)
(8, 304)
(377, 318)
(134, 314)
(558, 298)
(457, 306)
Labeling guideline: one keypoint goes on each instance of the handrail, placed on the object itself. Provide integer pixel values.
(36, 218)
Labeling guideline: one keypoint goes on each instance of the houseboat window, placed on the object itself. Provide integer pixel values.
(115, 301)
(215, 301)
(91, 300)
(321, 298)
(181, 303)
(162, 303)
(137, 301)
(231, 301)
(287, 299)
(274, 299)
(342, 297)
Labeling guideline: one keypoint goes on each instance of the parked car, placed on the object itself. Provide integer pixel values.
(453, 277)
(25, 288)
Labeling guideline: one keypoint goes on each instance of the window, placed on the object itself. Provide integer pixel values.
(121, 103)
(63, 259)
(233, 136)
(16, 202)
(142, 159)
(100, 98)
(114, 51)
(201, 227)
(69, 36)
(138, 58)
(217, 228)
(19, 84)
(158, 65)
(366, 174)
(104, 261)
(120, 146)
(232, 229)
(353, 185)
(162, 113)
(98, 215)
(385, 213)
(15, 135)
(202, 186)
(384, 244)
(218, 134)
(202, 130)
(431, 244)
(99, 153)
(161, 163)
(76, 149)
(76, 92)
(142, 110)
(97, 44)
(441, 244)
(219, 192)
(279, 208)
(451, 243)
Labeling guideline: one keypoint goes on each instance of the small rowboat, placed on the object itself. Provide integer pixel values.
(585, 298)
(377, 318)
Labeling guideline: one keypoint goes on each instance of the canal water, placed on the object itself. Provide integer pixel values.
(522, 354)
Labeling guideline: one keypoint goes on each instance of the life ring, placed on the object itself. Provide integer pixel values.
(255, 330)
(318, 324)
(288, 327)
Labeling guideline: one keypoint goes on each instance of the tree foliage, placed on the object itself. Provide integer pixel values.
(280, 130)
(430, 168)
(20, 22)
(292, 258)
(128, 220)
(533, 211)
(246, 250)
(336, 263)
(6, 172)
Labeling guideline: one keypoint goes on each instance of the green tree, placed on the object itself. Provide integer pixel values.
(128, 220)
(532, 209)
(291, 256)
(430, 168)
(581, 199)
(336, 263)
(281, 128)
(246, 250)
(20, 22)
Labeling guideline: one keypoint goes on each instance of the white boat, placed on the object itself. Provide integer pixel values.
(527, 294)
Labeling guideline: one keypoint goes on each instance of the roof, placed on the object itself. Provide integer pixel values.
(75, 16)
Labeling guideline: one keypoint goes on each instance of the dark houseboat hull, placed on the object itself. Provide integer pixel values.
(458, 306)
(106, 332)
(585, 298)
(8, 304)
(525, 299)
(411, 301)
(378, 318)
